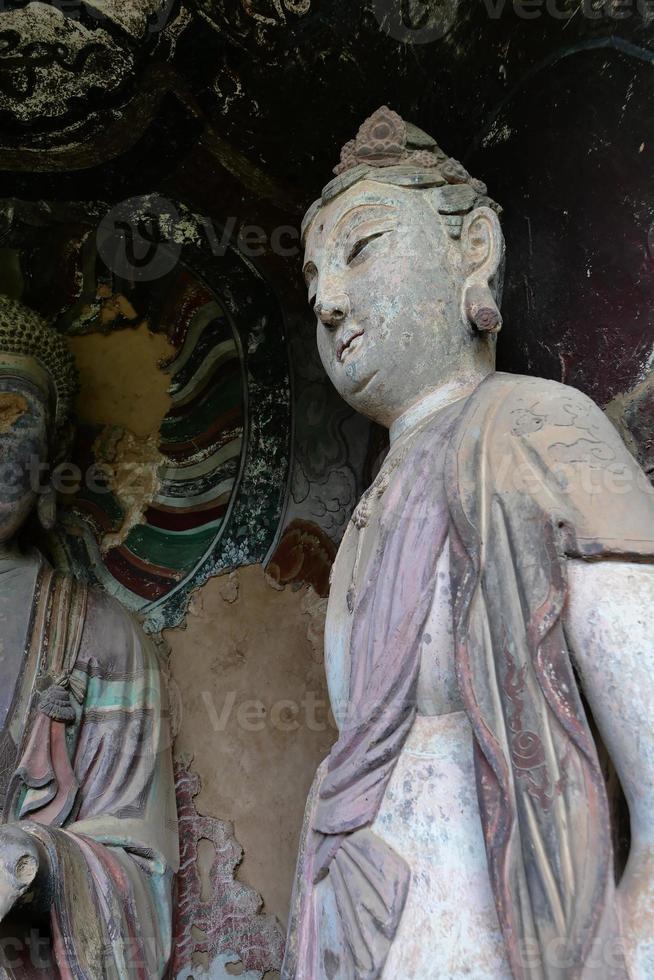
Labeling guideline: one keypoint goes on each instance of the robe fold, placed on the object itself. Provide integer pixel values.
(534, 475)
(96, 789)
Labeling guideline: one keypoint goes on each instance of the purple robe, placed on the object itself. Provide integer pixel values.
(530, 470)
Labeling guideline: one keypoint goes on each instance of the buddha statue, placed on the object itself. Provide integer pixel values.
(88, 838)
(487, 636)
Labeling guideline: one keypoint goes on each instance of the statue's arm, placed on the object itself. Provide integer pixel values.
(608, 622)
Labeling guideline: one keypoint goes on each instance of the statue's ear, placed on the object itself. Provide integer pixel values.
(482, 243)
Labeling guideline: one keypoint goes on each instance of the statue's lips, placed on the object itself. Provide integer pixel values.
(344, 345)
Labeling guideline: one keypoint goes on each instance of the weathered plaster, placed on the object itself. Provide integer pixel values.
(132, 466)
(251, 679)
(218, 922)
(121, 381)
(127, 404)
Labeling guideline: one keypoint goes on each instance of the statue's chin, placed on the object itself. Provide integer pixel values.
(375, 393)
(356, 386)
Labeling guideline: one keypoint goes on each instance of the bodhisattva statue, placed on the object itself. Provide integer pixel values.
(88, 840)
(492, 593)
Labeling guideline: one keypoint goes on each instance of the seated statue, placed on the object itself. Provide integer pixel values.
(88, 840)
(488, 635)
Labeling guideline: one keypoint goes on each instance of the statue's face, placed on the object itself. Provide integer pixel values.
(24, 423)
(384, 279)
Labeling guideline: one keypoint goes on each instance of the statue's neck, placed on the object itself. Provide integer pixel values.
(433, 401)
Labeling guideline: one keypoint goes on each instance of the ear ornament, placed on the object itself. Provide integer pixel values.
(481, 309)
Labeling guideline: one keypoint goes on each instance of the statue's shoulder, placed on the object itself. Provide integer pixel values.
(519, 404)
(513, 389)
(510, 415)
(112, 636)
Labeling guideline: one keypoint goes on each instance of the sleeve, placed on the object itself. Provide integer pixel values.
(538, 475)
(567, 453)
(113, 861)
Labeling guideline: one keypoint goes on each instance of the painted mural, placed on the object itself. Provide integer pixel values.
(227, 928)
(207, 491)
(201, 443)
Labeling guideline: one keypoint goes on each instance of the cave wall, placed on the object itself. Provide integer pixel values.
(154, 177)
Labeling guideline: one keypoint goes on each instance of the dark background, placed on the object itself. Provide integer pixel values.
(552, 106)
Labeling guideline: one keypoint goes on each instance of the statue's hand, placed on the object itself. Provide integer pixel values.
(21, 859)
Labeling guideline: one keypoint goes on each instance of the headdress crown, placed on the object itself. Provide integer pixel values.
(390, 150)
(386, 140)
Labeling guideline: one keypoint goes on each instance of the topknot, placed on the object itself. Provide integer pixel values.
(23, 331)
(386, 140)
(389, 150)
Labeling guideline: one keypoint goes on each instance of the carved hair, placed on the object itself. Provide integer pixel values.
(390, 151)
(25, 332)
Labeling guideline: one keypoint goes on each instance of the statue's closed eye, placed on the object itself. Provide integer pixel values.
(361, 244)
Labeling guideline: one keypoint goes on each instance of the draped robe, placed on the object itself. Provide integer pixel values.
(87, 771)
(535, 475)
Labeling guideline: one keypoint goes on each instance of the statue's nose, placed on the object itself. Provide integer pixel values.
(333, 310)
